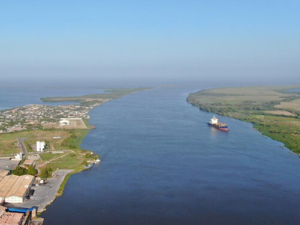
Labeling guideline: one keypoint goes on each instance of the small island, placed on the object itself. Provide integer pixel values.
(274, 111)
(40, 144)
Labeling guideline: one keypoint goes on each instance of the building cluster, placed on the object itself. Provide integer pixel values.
(30, 116)
(14, 189)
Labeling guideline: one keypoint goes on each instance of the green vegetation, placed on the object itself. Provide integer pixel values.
(46, 172)
(84, 163)
(274, 111)
(48, 156)
(32, 171)
(8, 141)
(8, 145)
(90, 156)
(19, 171)
(89, 100)
(75, 139)
(66, 162)
(28, 146)
(72, 158)
(62, 186)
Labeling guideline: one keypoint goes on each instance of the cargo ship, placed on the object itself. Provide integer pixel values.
(214, 122)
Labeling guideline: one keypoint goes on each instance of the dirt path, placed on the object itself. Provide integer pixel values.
(44, 164)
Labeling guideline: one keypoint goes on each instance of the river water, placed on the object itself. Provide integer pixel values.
(162, 164)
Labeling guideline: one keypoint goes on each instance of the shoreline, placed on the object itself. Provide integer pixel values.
(258, 105)
(73, 138)
(47, 193)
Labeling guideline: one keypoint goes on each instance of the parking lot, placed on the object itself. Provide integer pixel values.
(6, 164)
(44, 194)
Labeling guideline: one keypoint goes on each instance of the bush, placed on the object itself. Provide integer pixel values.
(88, 156)
(32, 171)
(19, 171)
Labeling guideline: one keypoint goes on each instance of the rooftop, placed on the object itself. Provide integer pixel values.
(14, 185)
(11, 218)
(29, 162)
(2, 210)
(3, 173)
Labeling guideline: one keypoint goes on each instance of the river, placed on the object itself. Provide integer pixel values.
(162, 164)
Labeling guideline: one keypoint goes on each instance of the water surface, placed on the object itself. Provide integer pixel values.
(162, 164)
(15, 96)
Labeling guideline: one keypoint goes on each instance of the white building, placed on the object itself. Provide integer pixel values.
(40, 146)
(18, 156)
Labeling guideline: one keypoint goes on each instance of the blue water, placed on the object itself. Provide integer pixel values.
(15, 96)
(162, 164)
(294, 90)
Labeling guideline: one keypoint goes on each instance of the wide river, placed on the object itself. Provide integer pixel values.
(162, 164)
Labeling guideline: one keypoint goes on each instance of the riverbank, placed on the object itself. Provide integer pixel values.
(92, 101)
(273, 111)
(63, 156)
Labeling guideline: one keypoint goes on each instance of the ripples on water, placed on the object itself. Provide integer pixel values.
(162, 164)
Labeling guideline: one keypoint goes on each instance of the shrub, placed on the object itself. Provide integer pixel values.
(32, 171)
(46, 172)
(19, 171)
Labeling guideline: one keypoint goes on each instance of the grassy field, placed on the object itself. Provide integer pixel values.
(8, 146)
(291, 105)
(274, 111)
(49, 156)
(8, 140)
(70, 161)
(69, 140)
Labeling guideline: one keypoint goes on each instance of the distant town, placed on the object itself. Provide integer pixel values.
(38, 116)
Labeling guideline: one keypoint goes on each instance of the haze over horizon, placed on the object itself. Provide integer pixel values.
(238, 42)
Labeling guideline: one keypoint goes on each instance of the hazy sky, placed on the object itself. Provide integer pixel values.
(126, 40)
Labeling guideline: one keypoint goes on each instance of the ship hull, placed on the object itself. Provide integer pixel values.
(223, 128)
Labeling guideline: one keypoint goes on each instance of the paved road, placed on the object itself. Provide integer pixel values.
(21, 143)
(45, 194)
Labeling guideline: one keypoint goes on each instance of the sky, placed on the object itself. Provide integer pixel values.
(163, 41)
